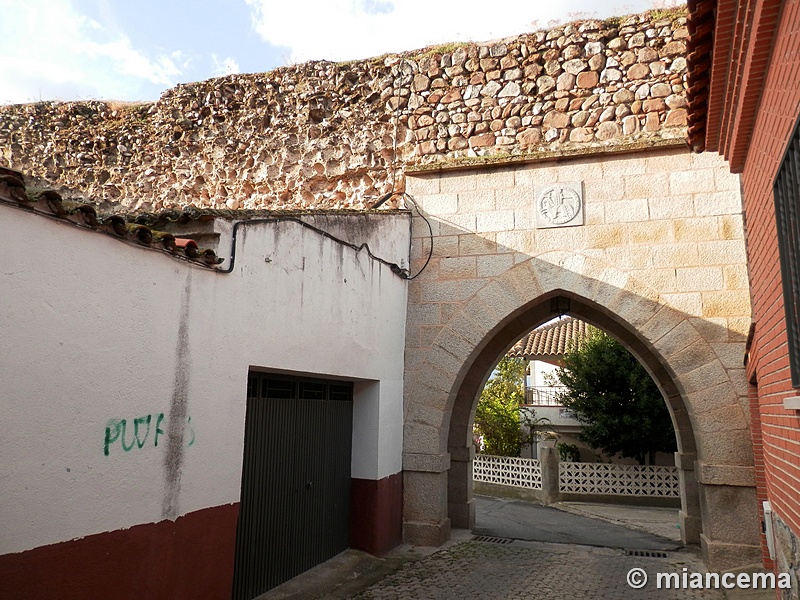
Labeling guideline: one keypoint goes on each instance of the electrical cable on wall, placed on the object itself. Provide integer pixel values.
(424, 218)
(430, 233)
(395, 268)
(398, 85)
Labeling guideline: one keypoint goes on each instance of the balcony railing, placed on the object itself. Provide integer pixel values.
(543, 395)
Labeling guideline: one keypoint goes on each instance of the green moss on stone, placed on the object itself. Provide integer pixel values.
(505, 158)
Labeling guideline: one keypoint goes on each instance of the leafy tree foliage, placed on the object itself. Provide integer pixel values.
(616, 400)
(497, 417)
(568, 452)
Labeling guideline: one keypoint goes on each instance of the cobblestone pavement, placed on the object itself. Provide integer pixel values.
(492, 571)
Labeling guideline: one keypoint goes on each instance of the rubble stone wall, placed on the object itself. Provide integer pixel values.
(787, 551)
(328, 135)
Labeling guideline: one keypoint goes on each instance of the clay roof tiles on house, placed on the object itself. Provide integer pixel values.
(178, 233)
(553, 339)
(49, 203)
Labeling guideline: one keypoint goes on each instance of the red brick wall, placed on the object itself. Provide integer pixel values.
(758, 462)
(779, 429)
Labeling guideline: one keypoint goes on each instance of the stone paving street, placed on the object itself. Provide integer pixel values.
(492, 571)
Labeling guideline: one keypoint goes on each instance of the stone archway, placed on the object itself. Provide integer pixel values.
(706, 399)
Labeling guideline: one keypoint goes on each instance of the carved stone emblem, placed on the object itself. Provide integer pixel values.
(559, 205)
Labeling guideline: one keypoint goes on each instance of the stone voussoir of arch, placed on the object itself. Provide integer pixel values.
(632, 304)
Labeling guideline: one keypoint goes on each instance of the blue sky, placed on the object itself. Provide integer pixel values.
(136, 49)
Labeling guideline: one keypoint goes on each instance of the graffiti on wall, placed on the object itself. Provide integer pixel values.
(148, 430)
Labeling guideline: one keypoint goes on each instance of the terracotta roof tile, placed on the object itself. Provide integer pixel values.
(49, 203)
(182, 229)
(553, 339)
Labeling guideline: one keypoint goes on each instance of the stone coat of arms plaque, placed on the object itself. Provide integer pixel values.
(559, 205)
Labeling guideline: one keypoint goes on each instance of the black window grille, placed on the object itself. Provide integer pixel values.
(787, 213)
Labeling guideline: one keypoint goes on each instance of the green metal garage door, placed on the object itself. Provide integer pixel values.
(294, 510)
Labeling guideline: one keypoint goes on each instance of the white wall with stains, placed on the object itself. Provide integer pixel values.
(94, 332)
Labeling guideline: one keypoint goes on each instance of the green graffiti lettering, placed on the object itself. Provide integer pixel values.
(126, 447)
(117, 430)
(159, 420)
(112, 426)
(136, 423)
(191, 431)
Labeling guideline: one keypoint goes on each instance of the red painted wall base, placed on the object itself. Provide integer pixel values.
(376, 514)
(189, 558)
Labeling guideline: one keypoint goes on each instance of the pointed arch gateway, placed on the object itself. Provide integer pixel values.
(707, 406)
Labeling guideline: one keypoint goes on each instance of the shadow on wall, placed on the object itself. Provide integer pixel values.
(491, 276)
(454, 311)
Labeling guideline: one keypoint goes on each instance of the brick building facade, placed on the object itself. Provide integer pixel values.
(744, 94)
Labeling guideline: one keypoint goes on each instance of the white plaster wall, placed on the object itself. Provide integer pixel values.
(90, 333)
(538, 371)
(383, 240)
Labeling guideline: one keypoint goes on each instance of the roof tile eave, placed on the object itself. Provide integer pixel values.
(50, 204)
(552, 339)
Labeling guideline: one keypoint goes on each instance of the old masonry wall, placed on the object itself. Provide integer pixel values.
(328, 135)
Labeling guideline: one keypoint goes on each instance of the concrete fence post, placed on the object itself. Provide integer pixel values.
(548, 459)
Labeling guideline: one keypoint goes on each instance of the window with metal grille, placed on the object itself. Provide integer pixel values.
(787, 213)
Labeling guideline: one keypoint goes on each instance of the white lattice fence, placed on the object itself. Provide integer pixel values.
(623, 480)
(507, 470)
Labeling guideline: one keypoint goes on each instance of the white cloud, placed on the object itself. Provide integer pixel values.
(352, 29)
(51, 49)
(226, 66)
(47, 49)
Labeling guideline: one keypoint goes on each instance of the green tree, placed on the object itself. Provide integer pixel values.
(533, 428)
(497, 414)
(497, 418)
(615, 399)
(568, 452)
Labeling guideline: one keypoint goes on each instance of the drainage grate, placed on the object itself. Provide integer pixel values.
(491, 540)
(646, 553)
